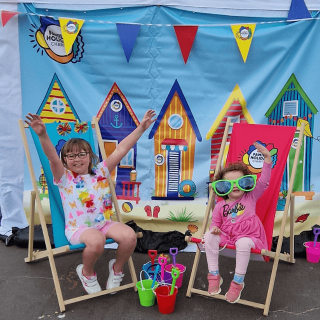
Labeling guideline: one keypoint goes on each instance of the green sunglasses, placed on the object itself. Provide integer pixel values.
(224, 187)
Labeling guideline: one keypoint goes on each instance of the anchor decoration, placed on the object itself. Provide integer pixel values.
(116, 120)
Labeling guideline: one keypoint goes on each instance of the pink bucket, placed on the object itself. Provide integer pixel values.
(182, 269)
(313, 253)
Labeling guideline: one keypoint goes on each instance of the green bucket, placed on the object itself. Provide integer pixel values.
(146, 295)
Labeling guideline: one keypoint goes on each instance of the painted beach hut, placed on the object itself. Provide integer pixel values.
(117, 120)
(291, 106)
(175, 133)
(235, 108)
(56, 106)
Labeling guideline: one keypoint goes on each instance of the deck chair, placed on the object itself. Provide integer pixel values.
(242, 137)
(57, 216)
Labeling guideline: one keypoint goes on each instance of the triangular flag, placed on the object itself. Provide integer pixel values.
(307, 131)
(6, 16)
(128, 34)
(298, 10)
(185, 36)
(69, 30)
(243, 34)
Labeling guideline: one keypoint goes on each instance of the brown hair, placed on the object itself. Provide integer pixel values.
(79, 145)
(233, 166)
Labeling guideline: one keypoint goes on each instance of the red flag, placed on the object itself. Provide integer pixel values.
(277, 139)
(6, 16)
(185, 36)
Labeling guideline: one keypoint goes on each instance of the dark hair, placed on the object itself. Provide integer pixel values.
(232, 166)
(79, 145)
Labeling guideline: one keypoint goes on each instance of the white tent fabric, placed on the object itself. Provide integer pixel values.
(11, 160)
(249, 8)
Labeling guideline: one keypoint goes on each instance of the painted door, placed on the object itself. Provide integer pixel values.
(298, 181)
(173, 173)
(110, 146)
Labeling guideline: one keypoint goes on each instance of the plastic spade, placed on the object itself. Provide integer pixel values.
(316, 232)
(175, 272)
(162, 261)
(155, 275)
(173, 252)
(152, 254)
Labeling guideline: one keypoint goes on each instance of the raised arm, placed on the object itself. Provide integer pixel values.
(36, 123)
(126, 144)
(265, 152)
(263, 181)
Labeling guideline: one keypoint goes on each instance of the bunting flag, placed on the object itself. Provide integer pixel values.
(6, 16)
(243, 35)
(69, 30)
(185, 36)
(128, 34)
(307, 130)
(298, 10)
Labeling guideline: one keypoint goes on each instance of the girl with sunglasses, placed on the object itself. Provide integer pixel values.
(86, 200)
(234, 221)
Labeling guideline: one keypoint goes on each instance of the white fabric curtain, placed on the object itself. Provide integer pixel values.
(11, 159)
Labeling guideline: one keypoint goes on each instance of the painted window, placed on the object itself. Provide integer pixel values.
(235, 119)
(57, 106)
(159, 159)
(116, 105)
(175, 121)
(290, 108)
(127, 160)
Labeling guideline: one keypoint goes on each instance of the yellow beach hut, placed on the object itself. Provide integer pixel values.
(175, 133)
(56, 106)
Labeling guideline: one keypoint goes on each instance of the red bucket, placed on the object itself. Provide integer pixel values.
(166, 302)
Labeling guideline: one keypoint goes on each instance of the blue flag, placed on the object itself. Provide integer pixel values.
(128, 34)
(298, 10)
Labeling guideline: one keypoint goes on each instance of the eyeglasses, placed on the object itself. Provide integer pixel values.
(72, 156)
(224, 187)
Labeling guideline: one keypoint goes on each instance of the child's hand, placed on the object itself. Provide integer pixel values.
(147, 119)
(35, 122)
(215, 230)
(264, 151)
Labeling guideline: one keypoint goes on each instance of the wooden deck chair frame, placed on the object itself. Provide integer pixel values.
(49, 252)
(276, 256)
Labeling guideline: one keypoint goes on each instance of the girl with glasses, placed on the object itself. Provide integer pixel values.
(234, 221)
(86, 199)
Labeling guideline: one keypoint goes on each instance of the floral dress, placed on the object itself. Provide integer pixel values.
(86, 199)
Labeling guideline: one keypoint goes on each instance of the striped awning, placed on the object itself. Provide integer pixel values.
(174, 144)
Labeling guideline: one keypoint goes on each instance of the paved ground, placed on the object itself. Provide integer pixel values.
(27, 290)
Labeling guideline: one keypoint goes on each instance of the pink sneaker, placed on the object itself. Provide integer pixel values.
(214, 284)
(234, 292)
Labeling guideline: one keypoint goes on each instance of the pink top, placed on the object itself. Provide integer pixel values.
(238, 219)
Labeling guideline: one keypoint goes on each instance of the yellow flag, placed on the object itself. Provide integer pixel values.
(243, 34)
(69, 30)
(307, 131)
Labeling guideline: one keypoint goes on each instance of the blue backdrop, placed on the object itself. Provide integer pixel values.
(213, 69)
